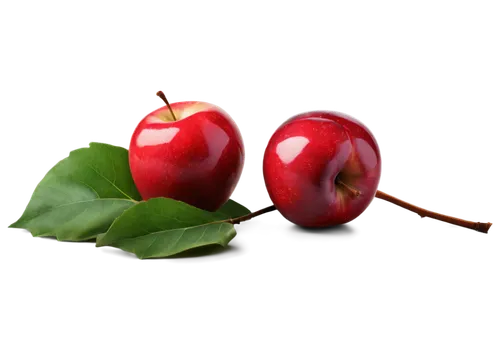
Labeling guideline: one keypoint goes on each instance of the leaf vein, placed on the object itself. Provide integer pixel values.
(198, 240)
(112, 166)
(113, 184)
(172, 218)
(68, 204)
(179, 238)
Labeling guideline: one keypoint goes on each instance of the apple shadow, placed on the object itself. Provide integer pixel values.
(320, 244)
(349, 232)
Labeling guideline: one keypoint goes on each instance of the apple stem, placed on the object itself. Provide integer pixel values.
(353, 191)
(478, 226)
(164, 98)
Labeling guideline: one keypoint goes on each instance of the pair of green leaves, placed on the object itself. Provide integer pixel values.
(91, 195)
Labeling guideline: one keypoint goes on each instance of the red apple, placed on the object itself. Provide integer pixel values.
(193, 154)
(322, 168)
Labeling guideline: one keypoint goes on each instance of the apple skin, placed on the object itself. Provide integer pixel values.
(308, 154)
(197, 158)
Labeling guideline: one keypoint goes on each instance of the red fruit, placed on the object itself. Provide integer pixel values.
(322, 168)
(196, 157)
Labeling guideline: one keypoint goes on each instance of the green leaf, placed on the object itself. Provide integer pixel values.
(163, 227)
(203, 253)
(82, 195)
(210, 252)
(231, 209)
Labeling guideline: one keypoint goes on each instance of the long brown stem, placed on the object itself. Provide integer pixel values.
(164, 98)
(478, 226)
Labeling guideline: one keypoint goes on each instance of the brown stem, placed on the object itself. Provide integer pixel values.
(478, 226)
(164, 98)
(353, 191)
(251, 215)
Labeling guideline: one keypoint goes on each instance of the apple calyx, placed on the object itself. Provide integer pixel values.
(164, 98)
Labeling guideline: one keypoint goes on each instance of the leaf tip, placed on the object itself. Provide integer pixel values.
(18, 224)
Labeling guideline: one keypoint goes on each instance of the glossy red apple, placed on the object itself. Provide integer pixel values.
(193, 154)
(322, 168)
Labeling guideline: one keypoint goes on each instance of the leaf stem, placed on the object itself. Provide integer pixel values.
(250, 216)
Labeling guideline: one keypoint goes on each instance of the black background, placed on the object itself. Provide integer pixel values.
(439, 145)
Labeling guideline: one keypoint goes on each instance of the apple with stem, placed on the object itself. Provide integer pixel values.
(188, 151)
(322, 168)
